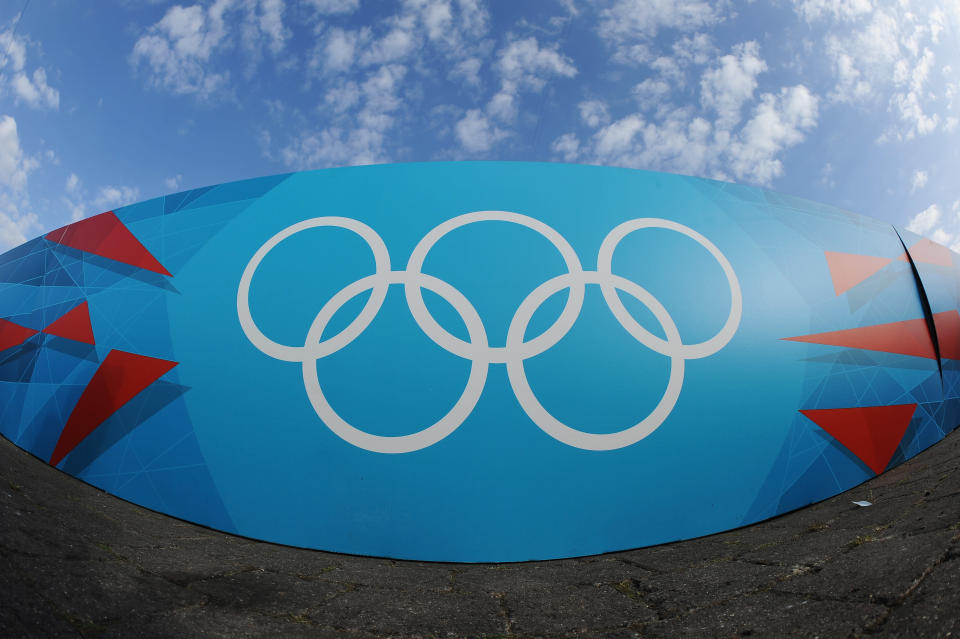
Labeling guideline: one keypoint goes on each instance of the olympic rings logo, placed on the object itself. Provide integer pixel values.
(477, 350)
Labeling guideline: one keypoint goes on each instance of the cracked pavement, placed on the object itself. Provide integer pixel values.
(77, 562)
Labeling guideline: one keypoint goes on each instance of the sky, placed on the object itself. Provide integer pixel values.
(852, 103)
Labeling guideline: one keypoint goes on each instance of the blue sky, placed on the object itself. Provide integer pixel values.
(849, 102)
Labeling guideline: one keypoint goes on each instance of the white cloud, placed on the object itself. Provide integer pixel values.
(36, 93)
(178, 48)
(339, 49)
(778, 122)
(15, 227)
(594, 113)
(78, 202)
(884, 55)
(695, 49)
(360, 137)
(726, 131)
(650, 93)
(567, 146)
(476, 133)
(925, 220)
(677, 139)
(728, 86)
(183, 52)
(919, 180)
(453, 26)
(331, 7)
(423, 42)
(850, 87)
(342, 97)
(31, 89)
(503, 106)
(931, 223)
(909, 99)
(642, 19)
(669, 69)
(521, 65)
(111, 197)
(271, 24)
(468, 71)
(616, 139)
(399, 42)
(261, 28)
(13, 51)
(524, 63)
(171, 183)
(941, 236)
(812, 10)
(15, 165)
(16, 219)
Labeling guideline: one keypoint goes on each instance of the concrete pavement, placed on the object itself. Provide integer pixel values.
(77, 562)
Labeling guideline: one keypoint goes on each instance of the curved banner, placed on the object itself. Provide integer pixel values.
(477, 361)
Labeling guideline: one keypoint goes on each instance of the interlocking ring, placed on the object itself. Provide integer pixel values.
(480, 354)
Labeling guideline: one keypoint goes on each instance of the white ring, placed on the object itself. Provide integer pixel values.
(477, 350)
(446, 424)
(494, 354)
(285, 353)
(642, 335)
(554, 427)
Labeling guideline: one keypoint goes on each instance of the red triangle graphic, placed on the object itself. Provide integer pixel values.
(106, 236)
(848, 269)
(12, 334)
(120, 377)
(872, 433)
(948, 333)
(74, 324)
(929, 252)
(910, 337)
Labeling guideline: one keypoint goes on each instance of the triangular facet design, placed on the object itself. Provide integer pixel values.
(910, 337)
(872, 433)
(929, 252)
(948, 333)
(120, 377)
(848, 269)
(106, 236)
(74, 324)
(12, 334)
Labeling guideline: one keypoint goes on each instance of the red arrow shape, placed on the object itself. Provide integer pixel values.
(119, 378)
(106, 236)
(872, 433)
(910, 337)
(12, 334)
(74, 324)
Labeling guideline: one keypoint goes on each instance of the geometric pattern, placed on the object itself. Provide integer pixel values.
(872, 433)
(106, 235)
(910, 337)
(116, 381)
(90, 380)
(929, 252)
(87, 376)
(849, 269)
(74, 324)
(12, 334)
(868, 402)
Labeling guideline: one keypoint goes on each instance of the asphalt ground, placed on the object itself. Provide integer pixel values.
(77, 562)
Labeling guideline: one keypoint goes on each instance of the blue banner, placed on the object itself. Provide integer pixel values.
(477, 361)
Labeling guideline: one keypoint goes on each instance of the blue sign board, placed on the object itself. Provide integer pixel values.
(477, 361)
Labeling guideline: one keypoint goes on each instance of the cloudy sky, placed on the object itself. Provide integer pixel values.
(853, 103)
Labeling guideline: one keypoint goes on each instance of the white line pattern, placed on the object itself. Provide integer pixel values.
(477, 350)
